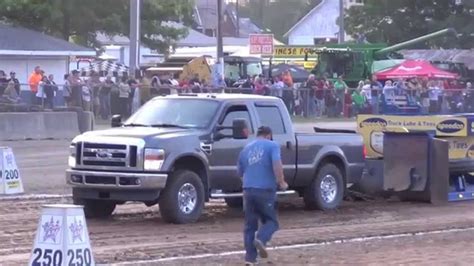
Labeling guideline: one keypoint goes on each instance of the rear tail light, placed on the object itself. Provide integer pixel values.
(364, 151)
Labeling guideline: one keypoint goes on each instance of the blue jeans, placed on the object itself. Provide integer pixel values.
(259, 204)
(320, 107)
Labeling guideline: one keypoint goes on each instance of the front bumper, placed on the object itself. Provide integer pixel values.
(115, 180)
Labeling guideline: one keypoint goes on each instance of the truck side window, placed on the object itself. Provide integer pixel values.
(270, 116)
(236, 112)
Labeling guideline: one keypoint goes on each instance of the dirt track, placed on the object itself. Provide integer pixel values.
(136, 233)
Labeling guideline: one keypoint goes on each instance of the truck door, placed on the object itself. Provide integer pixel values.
(270, 115)
(225, 152)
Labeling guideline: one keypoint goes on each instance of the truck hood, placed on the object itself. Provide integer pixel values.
(142, 132)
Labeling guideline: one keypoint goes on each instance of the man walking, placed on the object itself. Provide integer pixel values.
(262, 170)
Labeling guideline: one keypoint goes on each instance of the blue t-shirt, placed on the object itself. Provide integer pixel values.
(256, 164)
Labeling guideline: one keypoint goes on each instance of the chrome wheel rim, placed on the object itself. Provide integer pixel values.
(328, 188)
(187, 198)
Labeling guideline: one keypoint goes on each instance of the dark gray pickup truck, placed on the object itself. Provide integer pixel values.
(179, 151)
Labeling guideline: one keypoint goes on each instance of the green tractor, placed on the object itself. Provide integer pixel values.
(357, 61)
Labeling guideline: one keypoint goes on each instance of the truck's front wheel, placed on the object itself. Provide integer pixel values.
(182, 200)
(326, 192)
(96, 208)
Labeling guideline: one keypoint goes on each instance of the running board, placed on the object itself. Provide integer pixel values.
(221, 194)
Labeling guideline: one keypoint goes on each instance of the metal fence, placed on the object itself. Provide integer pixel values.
(300, 101)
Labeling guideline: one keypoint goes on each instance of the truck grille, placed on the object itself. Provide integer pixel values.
(108, 155)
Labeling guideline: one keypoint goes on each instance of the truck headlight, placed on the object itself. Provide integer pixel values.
(72, 155)
(154, 159)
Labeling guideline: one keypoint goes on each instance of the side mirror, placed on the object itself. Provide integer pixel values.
(116, 121)
(239, 129)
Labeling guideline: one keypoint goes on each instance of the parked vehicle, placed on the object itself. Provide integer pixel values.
(179, 151)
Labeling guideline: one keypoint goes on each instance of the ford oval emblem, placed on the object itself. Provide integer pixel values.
(103, 154)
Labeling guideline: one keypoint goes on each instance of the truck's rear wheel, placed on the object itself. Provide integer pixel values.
(182, 200)
(96, 208)
(326, 192)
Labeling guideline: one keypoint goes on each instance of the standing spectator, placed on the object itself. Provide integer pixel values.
(104, 97)
(424, 97)
(86, 97)
(124, 94)
(400, 88)
(247, 85)
(134, 99)
(260, 166)
(259, 86)
(33, 81)
(75, 84)
(277, 87)
(267, 87)
(155, 82)
(433, 94)
(50, 89)
(358, 102)
(376, 90)
(67, 90)
(172, 80)
(308, 95)
(41, 92)
(3, 81)
(331, 102)
(288, 96)
(367, 92)
(16, 81)
(413, 88)
(469, 87)
(320, 93)
(441, 94)
(388, 90)
(340, 88)
(195, 81)
(94, 85)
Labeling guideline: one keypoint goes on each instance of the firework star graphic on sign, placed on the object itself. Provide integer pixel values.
(51, 230)
(76, 230)
(9, 159)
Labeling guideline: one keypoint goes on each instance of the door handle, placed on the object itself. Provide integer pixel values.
(288, 145)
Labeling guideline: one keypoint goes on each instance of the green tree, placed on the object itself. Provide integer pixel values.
(396, 21)
(81, 20)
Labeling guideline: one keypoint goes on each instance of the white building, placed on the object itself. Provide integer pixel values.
(319, 24)
(21, 50)
(117, 48)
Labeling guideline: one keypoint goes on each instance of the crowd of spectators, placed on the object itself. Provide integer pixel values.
(314, 98)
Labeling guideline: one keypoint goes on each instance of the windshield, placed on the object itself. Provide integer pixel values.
(254, 69)
(232, 71)
(187, 113)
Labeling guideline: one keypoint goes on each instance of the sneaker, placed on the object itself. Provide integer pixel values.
(262, 250)
(248, 263)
